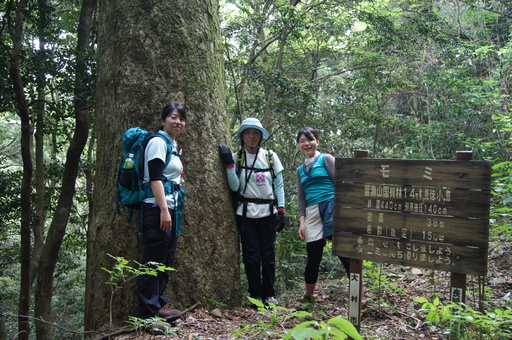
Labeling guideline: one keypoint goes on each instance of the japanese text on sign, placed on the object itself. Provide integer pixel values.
(431, 214)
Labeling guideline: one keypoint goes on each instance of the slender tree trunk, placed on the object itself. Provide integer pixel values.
(39, 218)
(56, 232)
(26, 213)
(3, 328)
(149, 53)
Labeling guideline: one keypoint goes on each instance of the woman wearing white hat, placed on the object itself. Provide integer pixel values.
(257, 178)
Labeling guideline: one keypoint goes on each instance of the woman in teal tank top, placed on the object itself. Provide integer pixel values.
(315, 186)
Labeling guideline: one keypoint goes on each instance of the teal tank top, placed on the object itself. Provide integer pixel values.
(316, 183)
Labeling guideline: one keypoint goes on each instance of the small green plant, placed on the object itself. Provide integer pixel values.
(278, 317)
(462, 322)
(336, 328)
(307, 303)
(138, 324)
(218, 304)
(122, 272)
(254, 331)
(436, 311)
(374, 277)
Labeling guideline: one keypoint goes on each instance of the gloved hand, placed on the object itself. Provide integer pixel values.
(280, 219)
(226, 156)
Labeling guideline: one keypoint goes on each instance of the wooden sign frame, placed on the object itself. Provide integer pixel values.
(418, 206)
(419, 213)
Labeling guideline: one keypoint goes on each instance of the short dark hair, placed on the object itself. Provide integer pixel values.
(308, 132)
(170, 107)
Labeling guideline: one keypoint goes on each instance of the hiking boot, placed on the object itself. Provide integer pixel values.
(159, 328)
(169, 314)
(308, 298)
(271, 299)
(306, 303)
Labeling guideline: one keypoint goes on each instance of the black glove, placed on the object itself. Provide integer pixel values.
(280, 219)
(226, 156)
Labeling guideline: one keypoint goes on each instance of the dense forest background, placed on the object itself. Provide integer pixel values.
(401, 79)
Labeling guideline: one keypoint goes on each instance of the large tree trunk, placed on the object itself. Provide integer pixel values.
(149, 53)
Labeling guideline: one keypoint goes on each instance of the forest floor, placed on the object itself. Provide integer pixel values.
(389, 311)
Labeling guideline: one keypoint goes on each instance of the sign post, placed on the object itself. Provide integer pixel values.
(458, 280)
(356, 277)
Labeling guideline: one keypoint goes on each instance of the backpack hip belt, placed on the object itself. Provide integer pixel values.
(246, 200)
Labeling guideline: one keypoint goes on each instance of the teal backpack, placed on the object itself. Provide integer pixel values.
(131, 189)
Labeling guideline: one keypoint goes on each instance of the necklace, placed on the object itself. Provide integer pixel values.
(310, 160)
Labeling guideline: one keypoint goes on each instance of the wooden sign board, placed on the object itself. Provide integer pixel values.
(419, 213)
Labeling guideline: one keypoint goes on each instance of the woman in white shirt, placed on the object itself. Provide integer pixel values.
(257, 178)
(161, 211)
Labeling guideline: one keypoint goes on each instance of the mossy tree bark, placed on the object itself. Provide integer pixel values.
(150, 53)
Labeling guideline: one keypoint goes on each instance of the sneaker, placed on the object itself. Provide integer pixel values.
(159, 328)
(169, 314)
(271, 299)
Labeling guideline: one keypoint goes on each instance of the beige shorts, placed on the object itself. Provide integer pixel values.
(313, 225)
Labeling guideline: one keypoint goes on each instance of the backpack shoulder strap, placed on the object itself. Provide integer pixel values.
(167, 142)
(270, 161)
(240, 158)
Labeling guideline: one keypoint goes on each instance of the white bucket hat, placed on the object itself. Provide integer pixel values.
(252, 123)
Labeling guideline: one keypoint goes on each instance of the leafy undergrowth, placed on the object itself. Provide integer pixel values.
(389, 311)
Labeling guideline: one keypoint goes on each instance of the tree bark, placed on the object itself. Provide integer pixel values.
(150, 53)
(57, 230)
(40, 177)
(26, 213)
